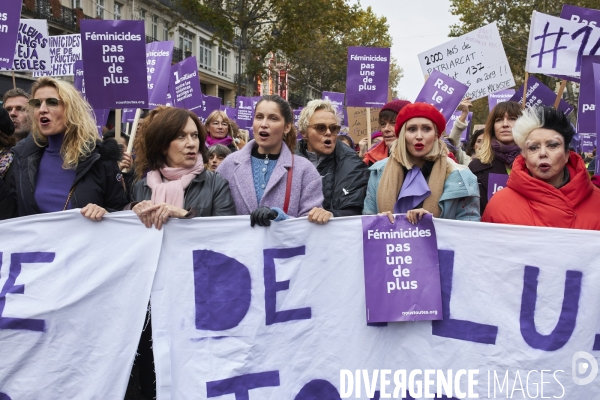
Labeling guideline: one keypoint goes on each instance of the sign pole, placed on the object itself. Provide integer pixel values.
(14, 80)
(117, 124)
(561, 89)
(525, 90)
(369, 128)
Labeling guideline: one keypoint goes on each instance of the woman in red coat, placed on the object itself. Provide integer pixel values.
(549, 185)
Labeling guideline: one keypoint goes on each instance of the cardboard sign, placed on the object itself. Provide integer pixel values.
(357, 122)
(476, 59)
(367, 76)
(64, 51)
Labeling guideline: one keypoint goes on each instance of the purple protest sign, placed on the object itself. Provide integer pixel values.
(596, 71)
(209, 104)
(465, 134)
(587, 16)
(499, 97)
(184, 85)
(158, 69)
(101, 117)
(245, 112)
(127, 115)
(442, 92)
(231, 112)
(78, 80)
(540, 94)
(402, 277)
(496, 182)
(587, 142)
(586, 110)
(10, 14)
(296, 118)
(337, 99)
(367, 76)
(114, 59)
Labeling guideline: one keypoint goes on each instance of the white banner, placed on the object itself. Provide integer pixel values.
(73, 298)
(556, 45)
(64, 51)
(476, 59)
(279, 313)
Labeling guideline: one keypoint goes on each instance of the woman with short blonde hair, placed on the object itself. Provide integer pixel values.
(220, 130)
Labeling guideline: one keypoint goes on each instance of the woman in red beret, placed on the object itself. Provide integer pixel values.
(418, 178)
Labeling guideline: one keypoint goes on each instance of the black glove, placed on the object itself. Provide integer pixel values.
(262, 216)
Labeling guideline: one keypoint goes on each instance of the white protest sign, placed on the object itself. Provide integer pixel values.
(64, 51)
(32, 52)
(476, 59)
(556, 45)
(72, 304)
(281, 314)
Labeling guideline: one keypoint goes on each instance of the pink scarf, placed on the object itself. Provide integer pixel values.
(172, 192)
(226, 141)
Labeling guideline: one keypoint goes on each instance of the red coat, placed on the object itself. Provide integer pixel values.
(529, 201)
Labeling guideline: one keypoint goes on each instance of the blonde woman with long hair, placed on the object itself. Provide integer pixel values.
(62, 160)
(418, 178)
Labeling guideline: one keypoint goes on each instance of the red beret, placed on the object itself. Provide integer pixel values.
(421, 110)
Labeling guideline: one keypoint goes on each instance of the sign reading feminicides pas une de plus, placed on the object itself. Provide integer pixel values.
(402, 277)
(367, 76)
(114, 60)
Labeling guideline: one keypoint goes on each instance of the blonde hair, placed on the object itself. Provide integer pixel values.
(80, 134)
(402, 155)
(216, 114)
(312, 107)
(526, 123)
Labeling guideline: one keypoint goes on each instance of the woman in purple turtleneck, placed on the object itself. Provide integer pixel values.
(62, 164)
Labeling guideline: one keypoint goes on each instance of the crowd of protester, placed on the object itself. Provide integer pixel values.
(52, 159)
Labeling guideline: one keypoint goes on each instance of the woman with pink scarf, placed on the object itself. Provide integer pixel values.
(220, 130)
(171, 147)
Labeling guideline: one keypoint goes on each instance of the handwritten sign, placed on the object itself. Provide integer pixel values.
(476, 59)
(357, 122)
(367, 76)
(32, 52)
(64, 51)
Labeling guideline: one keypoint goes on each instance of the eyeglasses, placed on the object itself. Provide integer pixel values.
(51, 102)
(217, 123)
(322, 128)
(18, 109)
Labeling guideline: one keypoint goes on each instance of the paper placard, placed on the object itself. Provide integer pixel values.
(357, 122)
(64, 51)
(32, 51)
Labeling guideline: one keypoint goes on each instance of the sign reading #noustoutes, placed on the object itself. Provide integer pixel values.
(476, 59)
(442, 92)
(10, 14)
(337, 99)
(158, 69)
(402, 276)
(184, 85)
(114, 59)
(367, 76)
(64, 51)
(499, 97)
(32, 51)
(540, 94)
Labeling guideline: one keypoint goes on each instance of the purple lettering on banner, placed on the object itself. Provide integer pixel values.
(337, 99)
(540, 94)
(222, 288)
(16, 262)
(114, 58)
(209, 104)
(158, 70)
(127, 115)
(496, 182)
(240, 386)
(231, 112)
(395, 288)
(64, 51)
(9, 28)
(456, 328)
(499, 97)
(245, 112)
(272, 286)
(442, 92)
(184, 85)
(464, 137)
(78, 80)
(101, 117)
(568, 314)
(318, 389)
(586, 109)
(367, 78)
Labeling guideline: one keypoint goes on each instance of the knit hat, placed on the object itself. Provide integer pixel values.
(376, 135)
(396, 105)
(421, 110)
(6, 125)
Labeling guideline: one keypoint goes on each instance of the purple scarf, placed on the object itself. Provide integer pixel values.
(414, 191)
(210, 141)
(505, 153)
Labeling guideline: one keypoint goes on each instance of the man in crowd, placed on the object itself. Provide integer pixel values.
(15, 102)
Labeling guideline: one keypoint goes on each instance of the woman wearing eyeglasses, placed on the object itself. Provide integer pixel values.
(220, 130)
(62, 164)
(266, 180)
(344, 175)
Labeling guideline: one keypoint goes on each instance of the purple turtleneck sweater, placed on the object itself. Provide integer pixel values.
(53, 182)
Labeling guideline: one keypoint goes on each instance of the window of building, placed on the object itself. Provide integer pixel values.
(155, 27)
(186, 40)
(142, 14)
(165, 30)
(205, 56)
(118, 10)
(76, 4)
(100, 8)
(223, 56)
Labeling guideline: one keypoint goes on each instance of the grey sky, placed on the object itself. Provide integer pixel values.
(415, 26)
